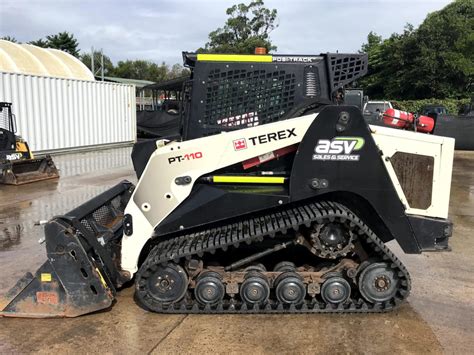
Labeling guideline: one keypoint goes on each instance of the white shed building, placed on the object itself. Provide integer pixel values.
(57, 102)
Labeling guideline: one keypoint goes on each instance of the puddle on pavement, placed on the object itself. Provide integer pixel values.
(10, 235)
(87, 162)
(396, 332)
(11, 231)
(128, 328)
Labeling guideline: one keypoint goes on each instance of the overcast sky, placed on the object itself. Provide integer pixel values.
(160, 30)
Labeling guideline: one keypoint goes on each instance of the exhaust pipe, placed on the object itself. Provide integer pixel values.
(82, 272)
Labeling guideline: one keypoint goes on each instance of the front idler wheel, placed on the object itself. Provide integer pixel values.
(255, 289)
(168, 284)
(378, 283)
(335, 290)
(209, 289)
(290, 288)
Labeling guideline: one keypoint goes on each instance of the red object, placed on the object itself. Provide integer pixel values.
(425, 124)
(397, 118)
(402, 119)
(44, 297)
(240, 144)
(247, 164)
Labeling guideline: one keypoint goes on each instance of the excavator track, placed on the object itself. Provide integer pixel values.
(287, 221)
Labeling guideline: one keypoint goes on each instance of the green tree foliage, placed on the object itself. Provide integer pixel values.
(39, 43)
(147, 70)
(436, 60)
(247, 27)
(446, 51)
(140, 69)
(176, 71)
(64, 41)
(452, 105)
(108, 65)
(9, 38)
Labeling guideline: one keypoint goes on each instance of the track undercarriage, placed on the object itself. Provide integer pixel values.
(345, 268)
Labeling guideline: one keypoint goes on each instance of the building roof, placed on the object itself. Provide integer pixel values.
(138, 83)
(33, 60)
(172, 84)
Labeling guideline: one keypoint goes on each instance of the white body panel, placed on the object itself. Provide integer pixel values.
(391, 141)
(157, 194)
(157, 181)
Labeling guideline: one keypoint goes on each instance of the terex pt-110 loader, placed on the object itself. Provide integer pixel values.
(276, 199)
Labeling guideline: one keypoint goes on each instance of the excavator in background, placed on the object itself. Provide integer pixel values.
(17, 164)
(275, 198)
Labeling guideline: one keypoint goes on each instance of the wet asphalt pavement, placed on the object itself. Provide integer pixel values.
(438, 317)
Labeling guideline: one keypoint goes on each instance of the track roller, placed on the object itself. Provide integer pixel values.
(335, 290)
(209, 288)
(255, 289)
(290, 288)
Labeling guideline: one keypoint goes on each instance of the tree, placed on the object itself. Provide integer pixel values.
(141, 69)
(247, 27)
(371, 82)
(177, 70)
(108, 65)
(39, 43)
(64, 41)
(146, 70)
(446, 51)
(10, 38)
(434, 61)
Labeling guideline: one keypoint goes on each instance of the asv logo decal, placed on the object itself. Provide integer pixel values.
(14, 156)
(339, 148)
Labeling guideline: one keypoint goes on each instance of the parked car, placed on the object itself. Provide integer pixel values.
(373, 110)
(377, 106)
(433, 110)
(467, 109)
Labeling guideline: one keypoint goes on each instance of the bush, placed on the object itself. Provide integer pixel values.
(414, 106)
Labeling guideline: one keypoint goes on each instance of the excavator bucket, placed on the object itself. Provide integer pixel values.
(21, 172)
(81, 273)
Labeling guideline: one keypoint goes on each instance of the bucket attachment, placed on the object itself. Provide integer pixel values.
(19, 172)
(82, 271)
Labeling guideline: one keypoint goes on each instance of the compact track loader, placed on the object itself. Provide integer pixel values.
(276, 199)
(17, 163)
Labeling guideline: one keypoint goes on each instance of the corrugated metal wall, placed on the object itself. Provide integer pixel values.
(57, 114)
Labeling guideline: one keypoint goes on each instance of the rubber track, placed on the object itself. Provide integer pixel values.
(254, 230)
